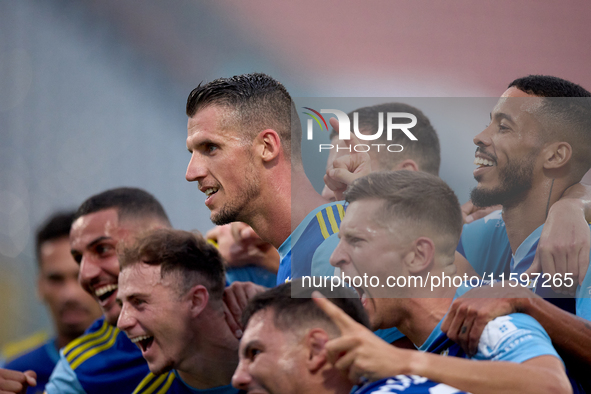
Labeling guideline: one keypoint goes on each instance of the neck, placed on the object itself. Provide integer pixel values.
(213, 357)
(63, 339)
(418, 317)
(523, 217)
(328, 380)
(305, 198)
(288, 198)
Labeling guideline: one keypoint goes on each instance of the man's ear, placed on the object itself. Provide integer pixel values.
(407, 164)
(315, 342)
(268, 145)
(420, 257)
(557, 155)
(198, 297)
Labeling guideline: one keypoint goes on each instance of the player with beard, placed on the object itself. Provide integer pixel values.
(72, 309)
(536, 146)
(244, 137)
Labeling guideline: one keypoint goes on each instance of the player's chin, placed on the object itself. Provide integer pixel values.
(158, 368)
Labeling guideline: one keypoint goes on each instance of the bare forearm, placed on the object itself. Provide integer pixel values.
(491, 377)
(569, 333)
(580, 195)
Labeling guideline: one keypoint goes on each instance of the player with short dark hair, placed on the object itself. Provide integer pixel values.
(244, 137)
(104, 359)
(536, 146)
(72, 310)
(287, 341)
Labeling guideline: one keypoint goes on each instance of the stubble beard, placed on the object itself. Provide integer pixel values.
(235, 210)
(516, 180)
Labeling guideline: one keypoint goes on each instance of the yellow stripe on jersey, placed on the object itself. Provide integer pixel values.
(341, 211)
(332, 220)
(96, 350)
(323, 228)
(22, 346)
(166, 386)
(150, 384)
(79, 345)
(145, 381)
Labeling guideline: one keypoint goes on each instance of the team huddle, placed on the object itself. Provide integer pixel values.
(177, 317)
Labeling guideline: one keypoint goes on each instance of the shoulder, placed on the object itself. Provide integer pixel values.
(12, 350)
(155, 383)
(516, 337)
(35, 358)
(102, 347)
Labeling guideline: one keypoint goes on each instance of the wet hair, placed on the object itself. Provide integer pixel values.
(129, 202)
(566, 113)
(186, 254)
(255, 102)
(422, 201)
(425, 151)
(294, 309)
(56, 226)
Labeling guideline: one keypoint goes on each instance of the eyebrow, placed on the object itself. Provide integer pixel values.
(502, 115)
(250, 345)
(132, 296)
(97, 241)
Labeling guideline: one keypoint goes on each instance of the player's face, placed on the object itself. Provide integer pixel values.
(155, 316)
(93, 241)
(270, 361)
(508, 150)
(366, 247)
(222, 163)
(72, 309)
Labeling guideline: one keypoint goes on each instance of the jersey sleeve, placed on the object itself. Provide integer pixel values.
(321, 258)
(63, 380)
(485, 244)
(516, 338)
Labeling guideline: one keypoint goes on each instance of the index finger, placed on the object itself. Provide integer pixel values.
(343, 321)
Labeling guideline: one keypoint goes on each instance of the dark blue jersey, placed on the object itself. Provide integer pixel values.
(407, 384)
(172, 383)
(42, 360)
(103, 360)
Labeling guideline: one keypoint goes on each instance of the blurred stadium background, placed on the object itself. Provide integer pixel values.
(92, 93)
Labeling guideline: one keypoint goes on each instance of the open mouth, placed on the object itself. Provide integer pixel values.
(103, 293)
(143, 342)
(362, 295)
(211, 191)
(481, 162)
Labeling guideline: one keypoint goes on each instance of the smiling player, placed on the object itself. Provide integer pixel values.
(170, 289)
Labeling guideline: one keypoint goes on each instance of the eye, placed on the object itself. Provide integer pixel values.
(77, 257)
(253, 353)
(137, 302)
(210, 148)
(503, 128)
(102, 249)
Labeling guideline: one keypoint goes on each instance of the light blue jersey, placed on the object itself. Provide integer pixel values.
(299, 249)
(516, 337)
